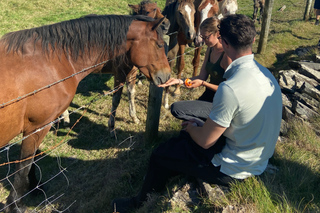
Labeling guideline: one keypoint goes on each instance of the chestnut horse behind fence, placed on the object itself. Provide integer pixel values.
(42, 67)
(127, 73)
(185, 18)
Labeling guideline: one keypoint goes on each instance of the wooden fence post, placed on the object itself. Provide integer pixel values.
(307, 12)
(265, 26)
(153, 114)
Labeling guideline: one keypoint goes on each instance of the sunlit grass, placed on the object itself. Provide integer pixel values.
(99, 168)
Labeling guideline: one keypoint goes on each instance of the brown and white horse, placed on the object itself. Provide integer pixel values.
(127, 73)
(185, 18)
(34, 61)
(206, 9)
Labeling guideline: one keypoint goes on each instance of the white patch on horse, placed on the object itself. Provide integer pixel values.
(188, 10)
(204, 15)
(205, 12)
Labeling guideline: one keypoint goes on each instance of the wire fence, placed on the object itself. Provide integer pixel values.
(48, 201)
(40, 156)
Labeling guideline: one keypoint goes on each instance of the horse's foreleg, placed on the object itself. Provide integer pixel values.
(131, 81)
(180, 66)
(66, 118)
(166, 98)
(21, 181)
(196, 61)
(172, 54)
(115, 103)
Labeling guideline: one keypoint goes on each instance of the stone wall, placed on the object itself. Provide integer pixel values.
(300, 91)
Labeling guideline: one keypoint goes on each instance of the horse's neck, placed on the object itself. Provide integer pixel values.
(170, 13)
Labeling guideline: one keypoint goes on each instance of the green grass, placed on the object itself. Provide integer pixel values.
(97, 168)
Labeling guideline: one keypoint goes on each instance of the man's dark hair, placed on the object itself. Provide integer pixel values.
(238, 30)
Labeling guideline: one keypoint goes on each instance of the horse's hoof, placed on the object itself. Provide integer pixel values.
(112, 133)
(176, 94)
(136, 120)
(66, 123)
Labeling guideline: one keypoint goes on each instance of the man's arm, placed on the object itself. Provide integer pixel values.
(207, 135)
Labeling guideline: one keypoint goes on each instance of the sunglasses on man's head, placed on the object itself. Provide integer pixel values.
(222, 39)
(205, 37)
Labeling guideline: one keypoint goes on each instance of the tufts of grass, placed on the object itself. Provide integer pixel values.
(92, 168)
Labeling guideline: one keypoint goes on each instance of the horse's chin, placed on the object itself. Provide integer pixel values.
(198, 41)
(160, 78)
(199, 44)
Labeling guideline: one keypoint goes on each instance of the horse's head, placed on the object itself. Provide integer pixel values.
(152, 10)
(146, 50)
(185, 18)
(206, 9)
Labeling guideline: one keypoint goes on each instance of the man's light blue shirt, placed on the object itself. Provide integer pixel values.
(249, 105)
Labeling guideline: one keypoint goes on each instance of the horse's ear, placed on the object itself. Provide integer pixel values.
(157, 23)
(134, 7)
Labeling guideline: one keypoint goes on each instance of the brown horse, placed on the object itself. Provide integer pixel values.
(37, 58)
(205, 9)
(185, 19)
(124, 72)
(181, 15)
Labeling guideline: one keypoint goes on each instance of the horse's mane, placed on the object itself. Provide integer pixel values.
(106, 33)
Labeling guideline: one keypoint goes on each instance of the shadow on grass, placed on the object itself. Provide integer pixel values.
(87, 185)
(94, 83)
(294, 184)
(283, 58)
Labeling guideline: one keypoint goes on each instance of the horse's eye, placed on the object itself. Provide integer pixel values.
(160, 45)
